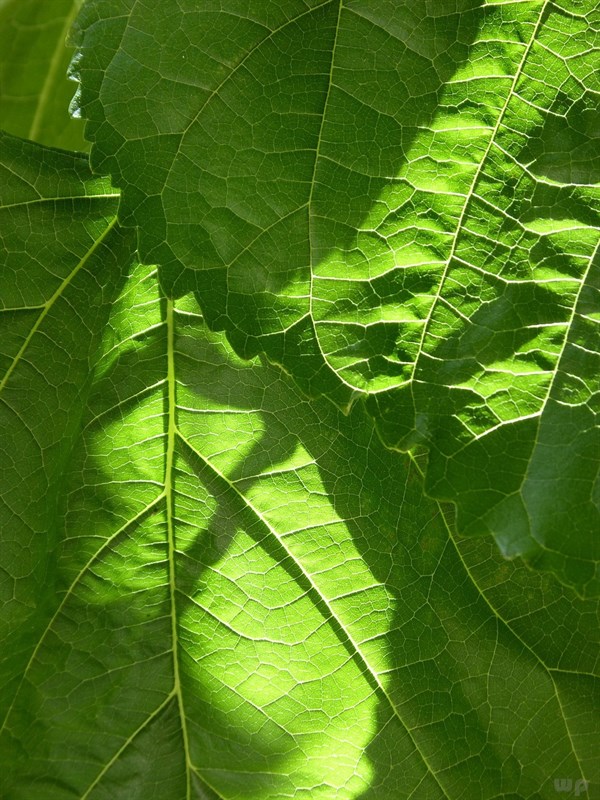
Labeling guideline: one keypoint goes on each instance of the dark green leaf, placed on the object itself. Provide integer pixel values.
(396, 201)
(222, 590)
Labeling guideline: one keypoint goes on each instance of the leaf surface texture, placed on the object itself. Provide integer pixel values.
(218, 591)
(396, 202)
(34, 90)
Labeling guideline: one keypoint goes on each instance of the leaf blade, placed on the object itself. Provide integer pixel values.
(417, 235)
(33, 67)
(284, 530)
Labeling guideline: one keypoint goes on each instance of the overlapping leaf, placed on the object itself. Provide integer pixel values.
(396, 201)
(247, 595)
(34, 91)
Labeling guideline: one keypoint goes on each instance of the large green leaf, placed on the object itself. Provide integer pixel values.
(395, 200)
(229, 591)
(61, 266)
(34, 91)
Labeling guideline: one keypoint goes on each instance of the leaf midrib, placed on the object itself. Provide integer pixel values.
(171, 542)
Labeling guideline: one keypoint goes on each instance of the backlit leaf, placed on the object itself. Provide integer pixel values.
(395, 201)
(224, 590)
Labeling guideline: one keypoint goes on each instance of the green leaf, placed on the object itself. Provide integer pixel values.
(62, 263)
(397, 202)
(34, 91)
(229, 591)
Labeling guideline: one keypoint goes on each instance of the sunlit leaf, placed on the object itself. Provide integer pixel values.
(396, 201)
(224, 590)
